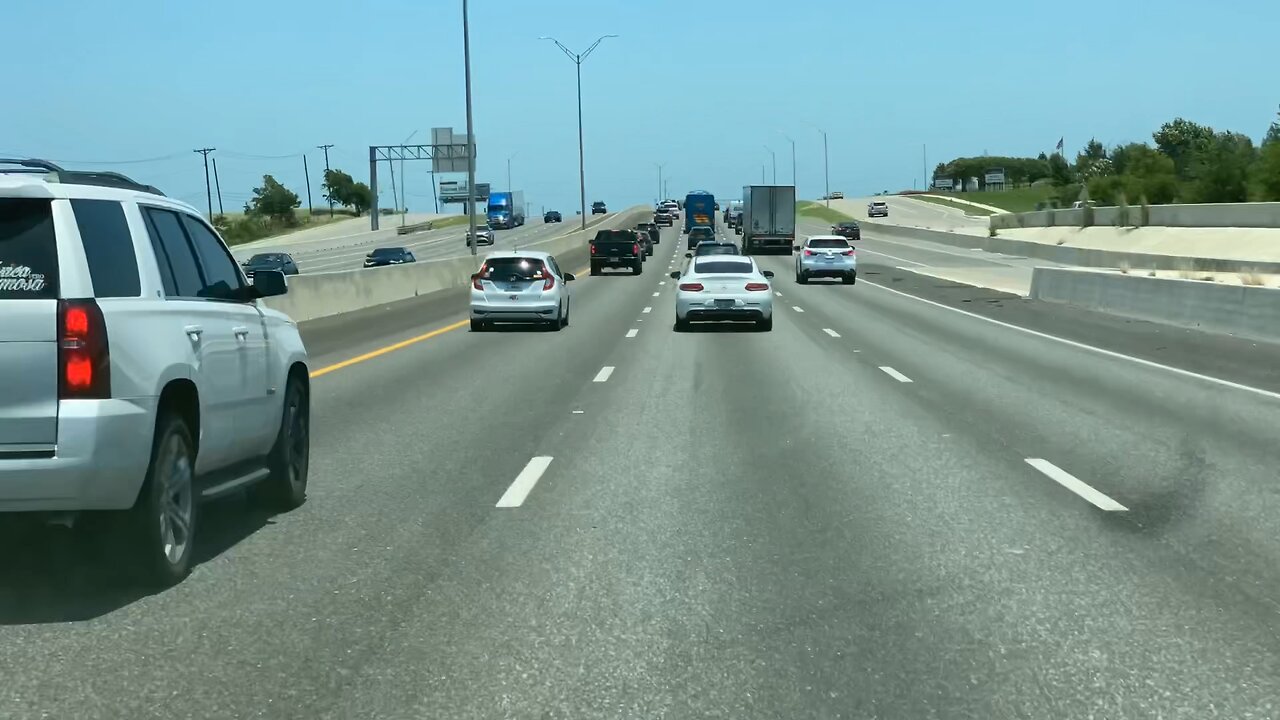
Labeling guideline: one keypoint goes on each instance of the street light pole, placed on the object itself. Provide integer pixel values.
(471, 138)
(660, 193)
(793, 158)
(509, 159)
(775, 163)
(577, 59)
(826, 168)
(404, 210)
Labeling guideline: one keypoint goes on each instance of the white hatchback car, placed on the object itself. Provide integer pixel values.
(724, 287)
(140, 373)
(826, 256)
(520, 286)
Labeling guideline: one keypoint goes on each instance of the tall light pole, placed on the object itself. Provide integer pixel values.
(660, 193)
(577, 59)
(826, 168)
(509, 189)
(775, 163)
(404, 210)
(793, 156)
(471, 137)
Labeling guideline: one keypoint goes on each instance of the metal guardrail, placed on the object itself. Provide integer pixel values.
(414, 228)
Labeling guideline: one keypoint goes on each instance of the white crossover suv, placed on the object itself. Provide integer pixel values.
(140, 373)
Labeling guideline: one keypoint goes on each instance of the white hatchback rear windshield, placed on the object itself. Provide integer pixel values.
(28, 250)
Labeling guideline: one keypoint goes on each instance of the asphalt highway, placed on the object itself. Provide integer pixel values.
(911, 499)
(331, 253)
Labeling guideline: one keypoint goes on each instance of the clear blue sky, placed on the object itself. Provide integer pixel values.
(702, 86)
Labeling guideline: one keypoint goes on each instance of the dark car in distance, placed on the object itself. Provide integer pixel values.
(382, 257)
(847, 230)
(617, 249)
(646, 241)
(269, 261)
(714, 248)
(552, 216)
(652, 229)
(598, 208)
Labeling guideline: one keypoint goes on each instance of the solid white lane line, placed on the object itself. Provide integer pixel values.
(1091, 348)
(524, 482)
(831, 332)
(647, 309)
(895, 374)
(632, 332)
(604, 374)
(655, 294)
(1075, 485)
(797, 308)
(864, 249)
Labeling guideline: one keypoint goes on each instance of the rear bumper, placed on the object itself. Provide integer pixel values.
(828, 269)
(623, 262)
(104, 447)
(531, 312)
(694, 312)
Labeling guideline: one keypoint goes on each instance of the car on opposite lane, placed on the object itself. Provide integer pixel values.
(484, 236)
(826, 256)
(848, 230)
(598, 208)
(382, 257)
(552, 216)
(269, 261)
(877, 208)
(520, 286)
(724, 288)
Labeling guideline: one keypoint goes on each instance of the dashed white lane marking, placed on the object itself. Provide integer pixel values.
(1090, 348)
(831, 332)
(1075, 485)
(655, 294)
(524, 482)
(632, 332)
(775, 292)
(577, 412)
(895, 374)
(604, 374)
(646, 310)
(660, 282)
(797, 308)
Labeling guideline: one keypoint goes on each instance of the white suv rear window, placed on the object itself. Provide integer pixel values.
(28, 250)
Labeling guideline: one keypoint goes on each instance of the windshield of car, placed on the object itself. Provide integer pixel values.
(701, 232)
(387, 252)
(716, 267)
(879, 204)
(265, 258)
(848, 226)
(28, 252)
(828, 243)
(512, 269)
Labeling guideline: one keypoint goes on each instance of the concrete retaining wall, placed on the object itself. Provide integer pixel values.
(1240, 215)
(317, 295)
(1066, 255)
(1245, 311)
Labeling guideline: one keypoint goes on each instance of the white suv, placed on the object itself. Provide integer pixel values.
(140, 373)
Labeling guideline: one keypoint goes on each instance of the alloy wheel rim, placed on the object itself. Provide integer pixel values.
(176, 499)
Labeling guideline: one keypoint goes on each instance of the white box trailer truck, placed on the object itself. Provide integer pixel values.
(768, 219)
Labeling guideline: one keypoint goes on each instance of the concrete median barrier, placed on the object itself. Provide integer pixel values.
(1245, 311)
(1209, 215)
(317, 295)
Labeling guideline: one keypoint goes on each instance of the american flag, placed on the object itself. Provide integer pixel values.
(1059, 147)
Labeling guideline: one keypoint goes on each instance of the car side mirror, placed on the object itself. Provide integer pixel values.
(568, 277)
(675, 274)
(795, 248)
(688, 254)
(768, 274)
(269, 283)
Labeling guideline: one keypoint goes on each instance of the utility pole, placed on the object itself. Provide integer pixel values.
(924, 165)
(325, 148)
(775, 163)
(510, 188)
(471, 138)
(208, 191)
(826, 167)
(577, 60)
(305, 173)
(217, 185)
(660, 197)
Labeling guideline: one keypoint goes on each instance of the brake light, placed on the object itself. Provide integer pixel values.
(593, 248)
(549, 283)
(691, 287)
(475, 283)
(756, 287)
(84, 356)
(635, 249)
(847, 252)
(807, 251)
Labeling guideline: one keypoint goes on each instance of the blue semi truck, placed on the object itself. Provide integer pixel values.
(506, 210)
(699, 209)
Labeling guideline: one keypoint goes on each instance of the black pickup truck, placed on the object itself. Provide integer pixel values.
(617, 249)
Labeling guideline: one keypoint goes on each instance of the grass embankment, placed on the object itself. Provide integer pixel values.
(820, 211)
(1020, 199)
(967, 209)
(238, 228)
